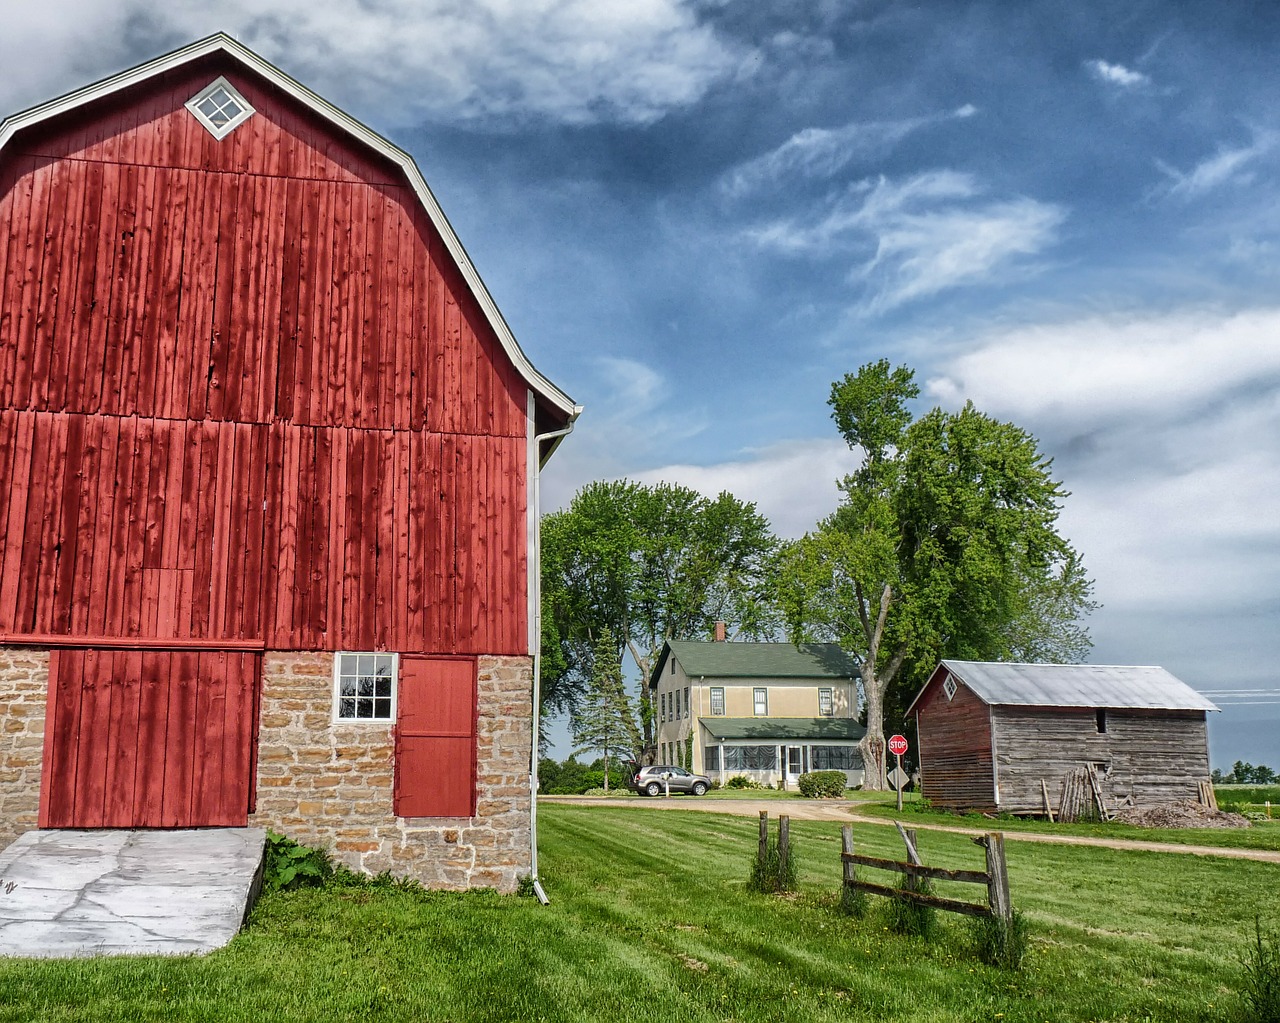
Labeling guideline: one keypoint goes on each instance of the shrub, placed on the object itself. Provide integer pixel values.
(911, 918)
(290, 865)
(1261, 988)
(1001, 943)
(741, 781)
(823, 784)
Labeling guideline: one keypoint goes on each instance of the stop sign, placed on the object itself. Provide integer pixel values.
(897, 745)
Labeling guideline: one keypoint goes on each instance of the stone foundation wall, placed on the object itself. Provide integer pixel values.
(330, 784)
(24, 687)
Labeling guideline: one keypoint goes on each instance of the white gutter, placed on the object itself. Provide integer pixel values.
(535, 570)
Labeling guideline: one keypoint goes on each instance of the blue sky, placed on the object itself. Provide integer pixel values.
(695, 216)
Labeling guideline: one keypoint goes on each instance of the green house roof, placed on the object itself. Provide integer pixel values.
(756, 660)
(770, 729)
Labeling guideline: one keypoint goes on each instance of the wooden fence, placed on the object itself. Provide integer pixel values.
(995, 877)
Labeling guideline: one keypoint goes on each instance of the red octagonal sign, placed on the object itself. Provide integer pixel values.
(897, 745)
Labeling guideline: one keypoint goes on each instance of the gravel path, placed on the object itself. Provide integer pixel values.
(846, 811)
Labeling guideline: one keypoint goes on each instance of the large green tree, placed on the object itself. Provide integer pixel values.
(945, 544)
(605, 721)
(649, 564)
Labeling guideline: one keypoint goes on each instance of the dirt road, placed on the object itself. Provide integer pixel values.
(845, 811)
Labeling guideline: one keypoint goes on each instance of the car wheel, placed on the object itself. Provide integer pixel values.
(699, 789)
(652, 789)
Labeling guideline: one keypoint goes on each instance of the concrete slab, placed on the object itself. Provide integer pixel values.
(84, 893)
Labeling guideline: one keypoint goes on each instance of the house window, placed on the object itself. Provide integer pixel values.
(835, 758)
(364, 687)
(717, 699)
(751, 758)
(1102, 721)
(688, 708)
(712, 757)
(220, 108)
(826, 706)
(662, 703)
(762, 702)
(676, 695)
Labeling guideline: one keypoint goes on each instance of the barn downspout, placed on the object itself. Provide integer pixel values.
(535, 557)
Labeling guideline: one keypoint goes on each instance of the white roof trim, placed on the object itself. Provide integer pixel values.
(223, 42)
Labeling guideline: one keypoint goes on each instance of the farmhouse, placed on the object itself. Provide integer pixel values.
(996, 736)
(767, 711)
(270, 460)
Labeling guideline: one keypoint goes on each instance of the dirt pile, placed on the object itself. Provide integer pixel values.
(1181, 815)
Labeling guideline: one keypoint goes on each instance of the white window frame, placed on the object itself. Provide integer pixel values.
(220, 132)
(717, 692)
(830, 706)
(756, 701)
(338, 675)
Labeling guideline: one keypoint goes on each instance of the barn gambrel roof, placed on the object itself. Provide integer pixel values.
(1101, 686)
(548, 394)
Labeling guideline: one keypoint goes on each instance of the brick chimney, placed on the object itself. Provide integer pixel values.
(720, 632)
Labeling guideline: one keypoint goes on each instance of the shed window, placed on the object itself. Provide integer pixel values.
(364, 686)
(762, 702)
(717, 699)
(826, 706)
(220, 108)
(1102, 721)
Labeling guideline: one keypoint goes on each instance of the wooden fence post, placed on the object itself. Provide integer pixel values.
(846, 846)
(764, 834)
(784, 841)
(998, 886)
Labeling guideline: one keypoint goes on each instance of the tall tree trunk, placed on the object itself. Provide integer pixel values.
(606, 770)
(872, 745)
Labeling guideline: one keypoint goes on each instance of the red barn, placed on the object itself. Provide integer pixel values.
(270, 457)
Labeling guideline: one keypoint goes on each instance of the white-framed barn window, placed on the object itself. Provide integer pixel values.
(220, 108)
(826, 706)
(364, 687)
(762, 702)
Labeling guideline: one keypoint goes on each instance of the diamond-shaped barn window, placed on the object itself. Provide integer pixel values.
(220, 108)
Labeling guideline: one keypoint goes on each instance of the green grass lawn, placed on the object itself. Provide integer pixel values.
(1263, 835)
(650, 922)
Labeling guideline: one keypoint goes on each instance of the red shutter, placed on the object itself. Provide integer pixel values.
(436, 738)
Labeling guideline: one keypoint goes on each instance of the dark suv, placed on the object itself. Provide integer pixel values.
(654, 780)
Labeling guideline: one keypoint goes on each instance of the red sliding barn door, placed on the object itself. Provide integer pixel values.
(150, 739)
(436, 738)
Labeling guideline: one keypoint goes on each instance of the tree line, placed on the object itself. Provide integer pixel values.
(945, 543)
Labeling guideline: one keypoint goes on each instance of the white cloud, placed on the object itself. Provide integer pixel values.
(791, 483)
(926, 234)
(576, 61)
(1226, 166)
(1167, 429)
(1117, 74)
(822, 152)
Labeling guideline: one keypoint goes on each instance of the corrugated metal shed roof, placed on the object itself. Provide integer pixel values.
(757, 660)
(1078, 685)
(769, 729)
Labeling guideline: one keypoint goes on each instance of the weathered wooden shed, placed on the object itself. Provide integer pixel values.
(996, 736)
(269, 457)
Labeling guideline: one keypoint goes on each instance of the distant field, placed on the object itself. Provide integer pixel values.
(1263, 835)
(650, 922)
(1255, 795)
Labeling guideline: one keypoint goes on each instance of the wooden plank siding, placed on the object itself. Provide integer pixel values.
(295, 535)
(956, 766)
(1153, 756)
(245, 392)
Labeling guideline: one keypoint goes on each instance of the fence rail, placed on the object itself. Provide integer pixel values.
(995, 877)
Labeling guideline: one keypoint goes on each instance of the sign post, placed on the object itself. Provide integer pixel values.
(898, 746)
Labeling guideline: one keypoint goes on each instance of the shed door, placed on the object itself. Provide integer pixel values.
(150, 739)
(436, 738)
